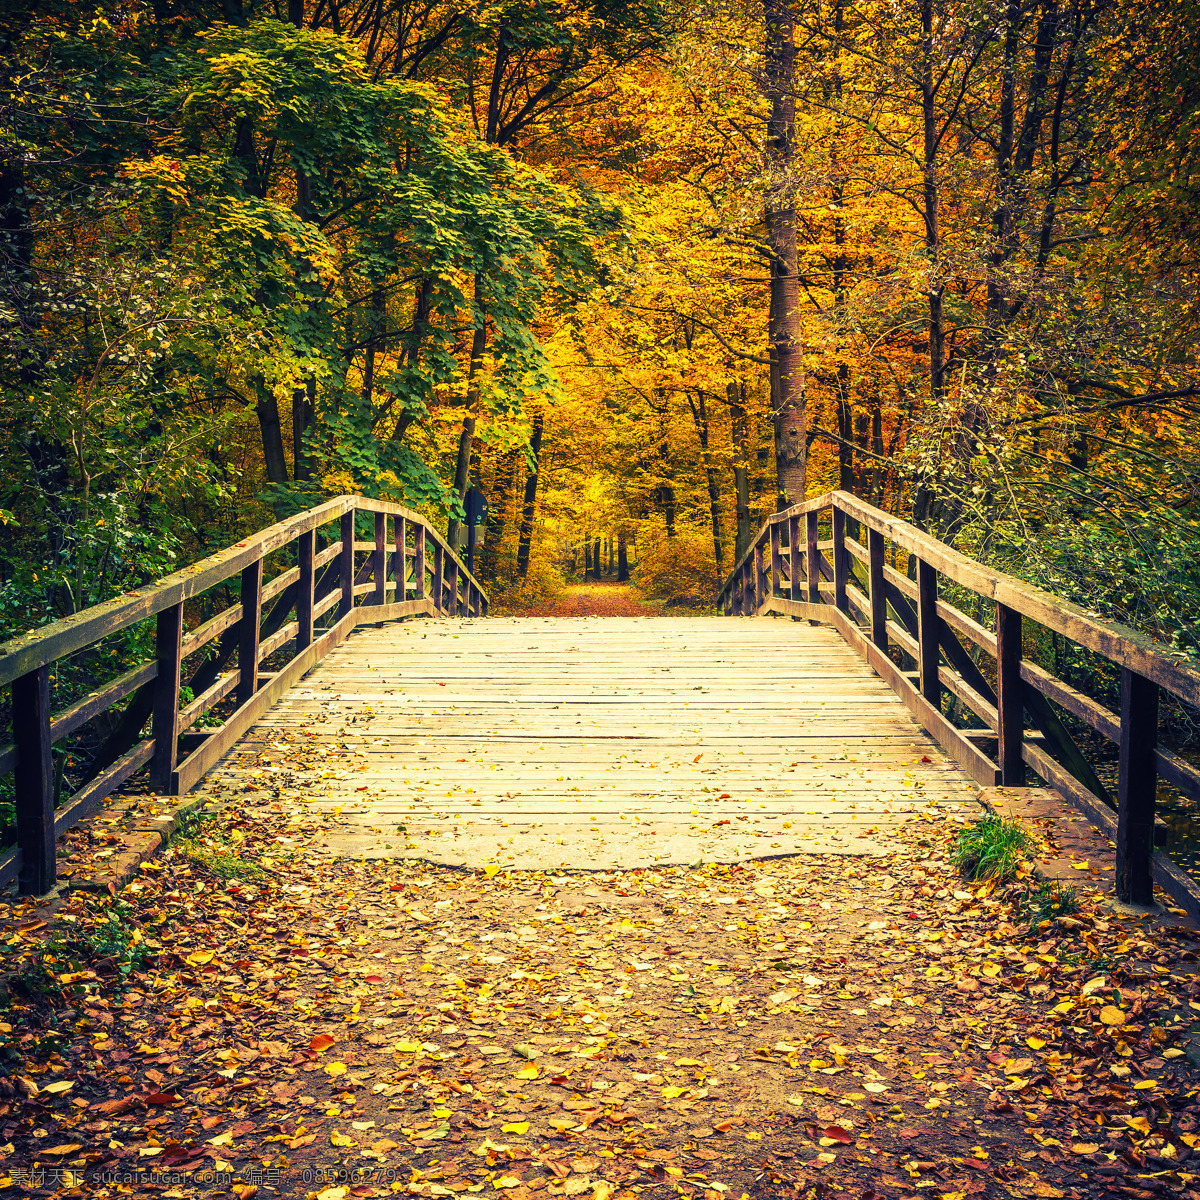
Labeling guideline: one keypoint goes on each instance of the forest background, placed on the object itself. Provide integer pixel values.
(641, 271)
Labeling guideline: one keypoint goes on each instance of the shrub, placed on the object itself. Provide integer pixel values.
(992, 848)
(680, 571)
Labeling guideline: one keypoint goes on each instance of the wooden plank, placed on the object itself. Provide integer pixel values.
(64, 637)
(929, 631)
(165, 715)
(419, 563)
(439, 556)
(397, 611)
(327, 555)
(841, 564)
(200, 762)
(800, 609)
(34, 781)
(279, 638)
(94, 703)
(776, 559)
(93, 794)
(1138, 785)
(250, 631)
(202, 703)
(400, 562)
(323, 606)
(280, 583)
(902, 583)
(10, 866)
(814, 558)
(379, 558)
(1010, 696)
(205, 633)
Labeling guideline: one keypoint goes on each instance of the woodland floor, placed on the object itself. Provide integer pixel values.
(599, 599)
(805, 1026)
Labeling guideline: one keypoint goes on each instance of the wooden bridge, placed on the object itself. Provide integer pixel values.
(595, 743)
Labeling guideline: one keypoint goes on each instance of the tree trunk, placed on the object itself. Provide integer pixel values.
(597, 564)
(506, 475)
(787, 365)
(587, 558)
(622, 559)
(267, 410)
(700, 417)
(303, 403)
(740, 435)
(466, 439)
(529, 503)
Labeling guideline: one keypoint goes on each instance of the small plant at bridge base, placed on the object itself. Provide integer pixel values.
(993, 848)
(221, 864)
(1047, 902)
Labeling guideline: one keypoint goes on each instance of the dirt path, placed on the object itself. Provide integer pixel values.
(594, 600)
(798, 1027)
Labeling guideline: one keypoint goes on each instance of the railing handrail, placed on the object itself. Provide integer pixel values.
(47, 643)
(1113, 640)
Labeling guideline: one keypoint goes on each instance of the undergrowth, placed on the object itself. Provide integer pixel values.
(992, 848)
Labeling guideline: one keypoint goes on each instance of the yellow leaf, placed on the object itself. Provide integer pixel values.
(1144, 1085)
(1085, 1148)
(1138, 1123)
(673, 1093)
(59, 1086)
(341, 1139)
(683, 1062)
(222, 1139)
(515, 1127)
(505, 1181)
(407, 1047)
(491, 869)
(1034, 1043)
(528, 1072)
(1110, 1014)
(1083, 866)
(333, 1193)
(62, 1151)
(200, 957)
(335, 1068)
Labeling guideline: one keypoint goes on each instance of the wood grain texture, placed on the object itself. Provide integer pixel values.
(598, 742)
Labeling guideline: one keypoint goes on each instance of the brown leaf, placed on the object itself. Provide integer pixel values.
(321, 1043)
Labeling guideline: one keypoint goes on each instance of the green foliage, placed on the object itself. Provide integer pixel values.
(992, 848)
(1047, 902)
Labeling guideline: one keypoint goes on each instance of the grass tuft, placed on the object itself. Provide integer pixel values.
(992, 848)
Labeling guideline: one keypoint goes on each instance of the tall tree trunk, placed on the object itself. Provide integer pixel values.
(506, 476)
(303, 405)
(932, 199)
(466, 439)
(622, 559)
(267, 410)
(529, 503)
(787, 364)
(700, 417)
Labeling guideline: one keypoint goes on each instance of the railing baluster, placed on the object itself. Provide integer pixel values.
(879, 634)
(33, 778)
(438, 570)
(776, 559)
(814, 559)
(164, 722)
(400, 570)
(840, 562)
(419, 563)
(306, 549)
(929, 632)
(452, 589)
(1010, 699)
(346, 563)
(794, 558)
(379, 565)
(248, 631)
(1137, 788)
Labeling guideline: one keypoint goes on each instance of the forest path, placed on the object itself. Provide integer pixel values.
(595, 743)
(599, 599)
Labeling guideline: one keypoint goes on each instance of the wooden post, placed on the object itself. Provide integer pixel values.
(929, 633)
(346, 563)
(879, 633)
(164, 722)
(248, 631)
(839, 560)
(438, 563)
(33, 779)
(306, 548)
(814, 559)
(776, 559)
(419, 563)
(379, 568)
(400, 570)
(794, 559)
(1010, 699)
(1138, 783)
(452, 588)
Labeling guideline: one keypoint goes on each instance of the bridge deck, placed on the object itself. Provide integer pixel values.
(546, 742)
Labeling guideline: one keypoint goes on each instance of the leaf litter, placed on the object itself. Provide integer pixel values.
(808, 1026)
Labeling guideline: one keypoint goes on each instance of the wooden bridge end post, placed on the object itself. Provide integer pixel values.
(419, 563)
(379, 560)
(929, 632)
(346, 563)
(400, 569)
(452, 589)
(1137, 788)
(249, 628)
(306, 549)
(776, 559)
(33, 777)
(164, 721)
(814, 559)
(879, 634)
(1010, 696)
(839, 560)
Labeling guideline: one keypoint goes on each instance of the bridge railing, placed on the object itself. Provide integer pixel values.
(295, 591)
(925, 647)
